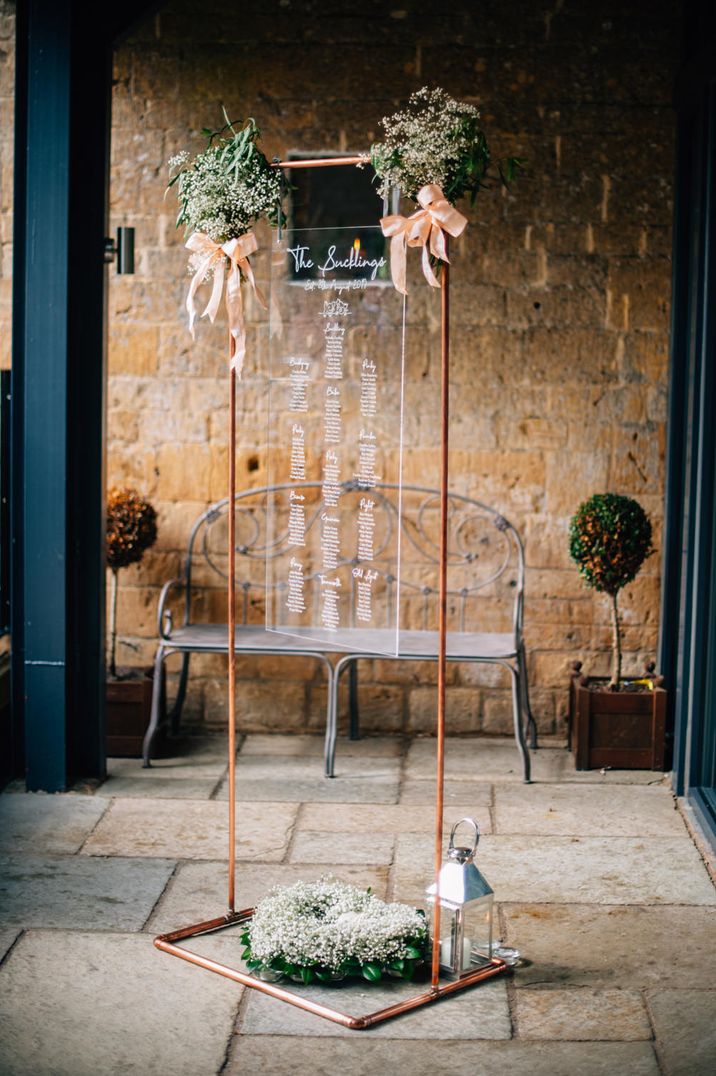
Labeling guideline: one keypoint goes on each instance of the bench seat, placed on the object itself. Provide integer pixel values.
(484, 549)
(461, 646)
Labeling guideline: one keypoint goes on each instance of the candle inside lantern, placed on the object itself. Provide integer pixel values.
(446, 956)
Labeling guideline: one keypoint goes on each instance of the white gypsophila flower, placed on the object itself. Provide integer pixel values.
(427, 143)
(329, 923)
(223, 196)
(178, 161)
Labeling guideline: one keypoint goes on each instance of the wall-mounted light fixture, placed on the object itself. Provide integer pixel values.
(122, 248)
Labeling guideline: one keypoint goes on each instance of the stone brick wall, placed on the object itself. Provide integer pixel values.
(560, 308)
(560, 301)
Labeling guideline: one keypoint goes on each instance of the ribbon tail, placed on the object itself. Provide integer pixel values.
(235, 312)
(193, 288)
(190, 305)
(249, 274)
(212, 307)
(398, 262)
(428, 269)
(437, 243)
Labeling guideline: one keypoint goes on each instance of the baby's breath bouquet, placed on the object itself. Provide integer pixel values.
(328, 930)
(224, 190)
(437, 140)
(222, 193)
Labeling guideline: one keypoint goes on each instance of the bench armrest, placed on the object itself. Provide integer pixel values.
(164, 615)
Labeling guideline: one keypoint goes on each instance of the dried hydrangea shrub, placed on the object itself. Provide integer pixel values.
(131, 530)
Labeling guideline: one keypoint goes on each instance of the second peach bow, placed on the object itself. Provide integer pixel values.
(425, 228)
(209, 257)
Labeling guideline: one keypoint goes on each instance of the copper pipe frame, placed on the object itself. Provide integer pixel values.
(322, 162)
(167, 942)
(231, 601)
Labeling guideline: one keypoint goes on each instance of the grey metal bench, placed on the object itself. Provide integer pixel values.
(486, 556)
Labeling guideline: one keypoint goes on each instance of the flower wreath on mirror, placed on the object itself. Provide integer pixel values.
(222, 193)
(328, 931)
(435, 152)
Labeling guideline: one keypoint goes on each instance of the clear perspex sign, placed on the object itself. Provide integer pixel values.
(335, 421)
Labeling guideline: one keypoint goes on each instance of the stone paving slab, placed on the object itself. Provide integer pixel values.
(312, 846)
(80, 893)
(476, 795)
(110, 1004)
(607, 1015)
(487, 759)
(388, 818)
(46, 824)
(619, 946)
(187, 829)
(479, 759)
(312, 746)
(159, 788)
(198, 890)
(358, 779)
(593, 972)
(619, 810)
(582, 870)
(655, 778)
(480, 1013)
(202, 745)
(7, 939)
(685, 1029)
(364, 1055)
(182, 768)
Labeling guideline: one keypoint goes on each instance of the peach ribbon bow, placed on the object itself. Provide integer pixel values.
(425, 228)
(210, 257)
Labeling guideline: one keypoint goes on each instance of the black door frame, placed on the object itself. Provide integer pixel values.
(62, 130)
(688, 620)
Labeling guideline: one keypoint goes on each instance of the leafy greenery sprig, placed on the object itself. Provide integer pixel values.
(223, 191)
(404, 967)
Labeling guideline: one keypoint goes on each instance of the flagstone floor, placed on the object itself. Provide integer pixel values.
(597, 879)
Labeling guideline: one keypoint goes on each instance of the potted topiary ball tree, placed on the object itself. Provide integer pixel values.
(131, 531)
(613, 721)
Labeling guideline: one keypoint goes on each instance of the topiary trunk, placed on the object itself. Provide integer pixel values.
(616, 647)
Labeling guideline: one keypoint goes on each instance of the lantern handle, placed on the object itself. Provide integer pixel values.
(472, 822)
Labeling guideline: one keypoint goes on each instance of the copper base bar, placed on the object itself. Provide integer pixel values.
(167, 944)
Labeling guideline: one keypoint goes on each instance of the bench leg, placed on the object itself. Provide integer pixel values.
(332, 720)
(175, 713)
(156, 707)
(329, 753)
(354, 716)
(530, 723)
(517, 718)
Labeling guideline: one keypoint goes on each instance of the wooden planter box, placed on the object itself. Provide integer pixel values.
(624, 730)
(129, 704)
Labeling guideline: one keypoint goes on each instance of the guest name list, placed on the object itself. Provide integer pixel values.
(349, 449)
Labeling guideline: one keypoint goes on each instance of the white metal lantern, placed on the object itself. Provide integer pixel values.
(466, 901)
